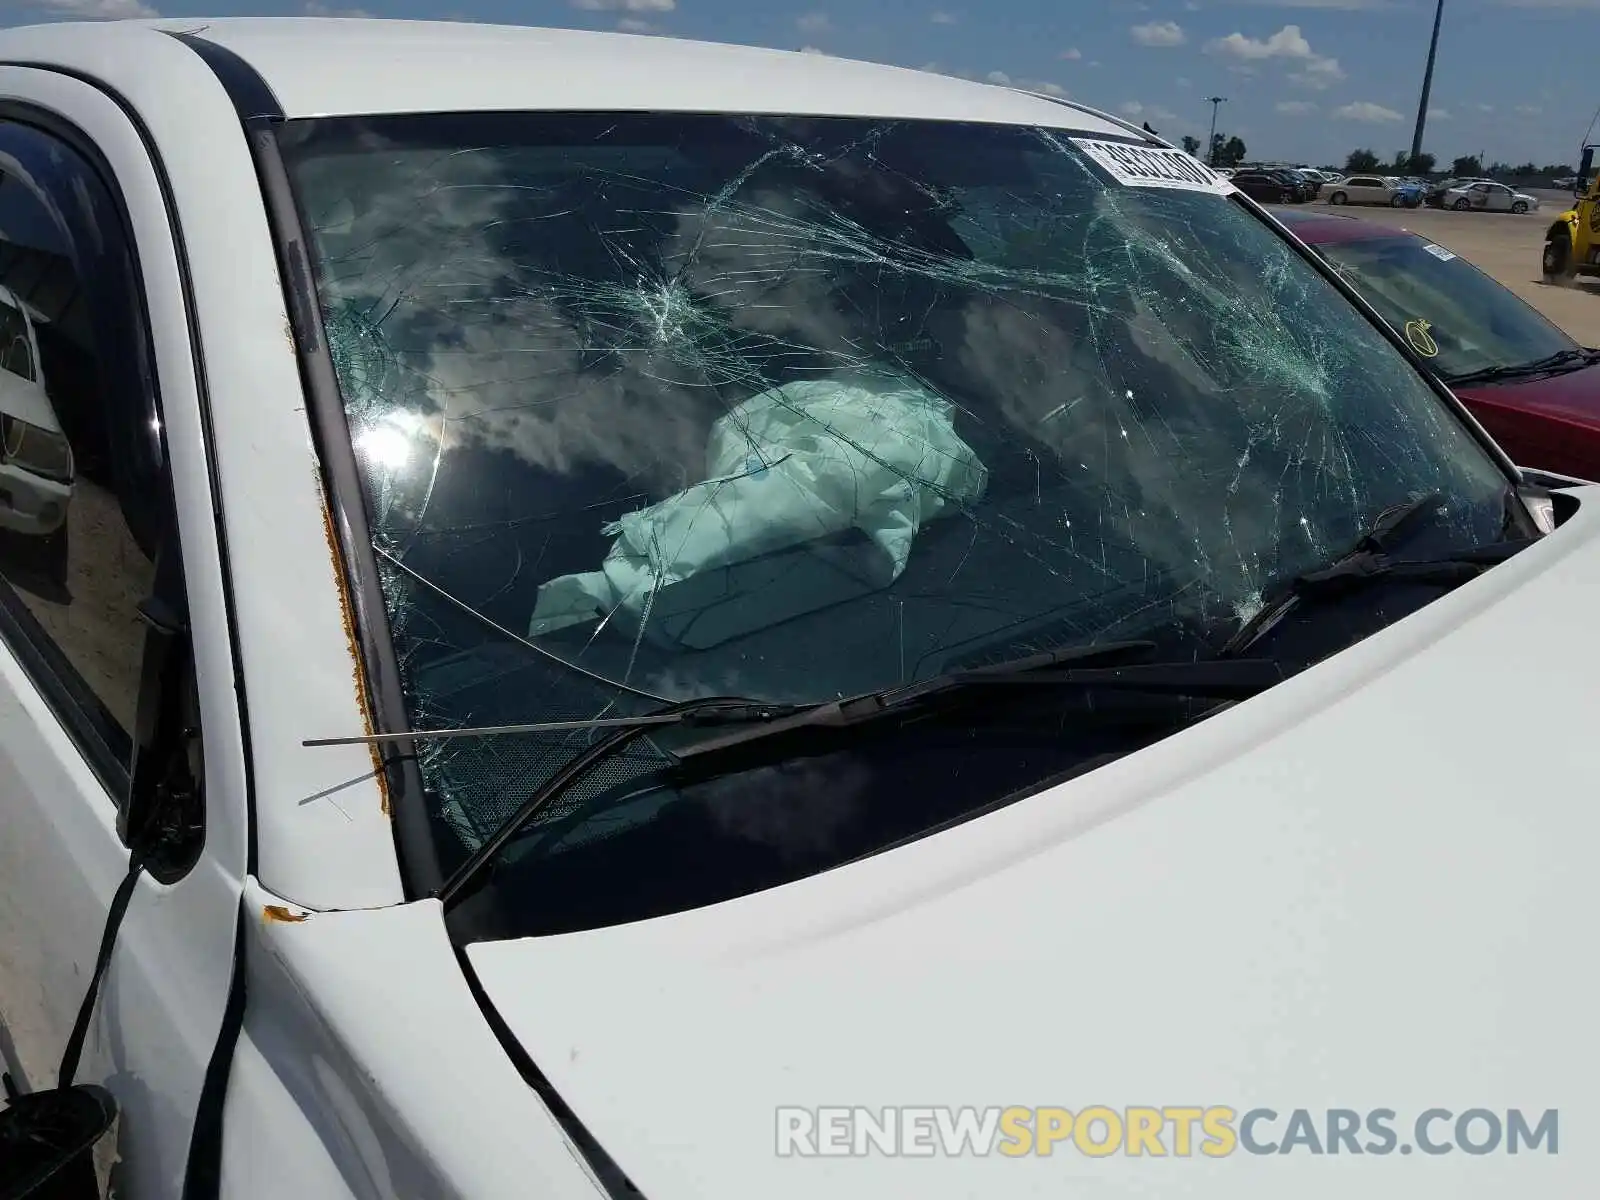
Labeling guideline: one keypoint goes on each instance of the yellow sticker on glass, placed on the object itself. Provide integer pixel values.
(1421, 340)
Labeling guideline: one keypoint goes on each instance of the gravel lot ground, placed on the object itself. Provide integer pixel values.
(1502, 245)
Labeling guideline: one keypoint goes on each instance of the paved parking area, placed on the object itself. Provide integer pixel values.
(1503, 245)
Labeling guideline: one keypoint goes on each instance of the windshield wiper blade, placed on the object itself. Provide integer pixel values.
(1561, 359)
(754, 715)
(1218, 679)
(1369, 561)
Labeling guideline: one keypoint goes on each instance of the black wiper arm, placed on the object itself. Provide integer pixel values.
(1551, 362)
(622, 731)
(1370, 562)
(754, 716)
(1229, 679)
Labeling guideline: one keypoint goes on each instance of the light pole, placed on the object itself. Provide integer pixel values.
(1211, 142)
(1427, 84)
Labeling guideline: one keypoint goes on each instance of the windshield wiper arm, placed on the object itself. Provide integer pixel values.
(1571, 359)
(754, 715)
(754, 721)
(1229, 679)
(1369, 561)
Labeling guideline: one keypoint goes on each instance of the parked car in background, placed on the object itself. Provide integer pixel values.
(1310, 182)
(1266, 187)
(1433, 195)
(1487, 196)
(1535, 389)
(1373, 189)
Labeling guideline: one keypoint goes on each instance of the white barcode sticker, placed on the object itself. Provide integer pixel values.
(1151, 166)
(1438, 252)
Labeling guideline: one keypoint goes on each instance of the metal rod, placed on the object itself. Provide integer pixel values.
(429, 735)
(1211, 143)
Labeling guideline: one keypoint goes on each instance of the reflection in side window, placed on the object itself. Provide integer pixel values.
(66, 549)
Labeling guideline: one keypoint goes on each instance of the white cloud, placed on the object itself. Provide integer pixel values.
(1288, 42)
(1485, 107)
(1319, 73)
(633, 6)
(102, 10)
(1288, 45)
(1182, 82)
(1439, 114)
(1146, 112)
(1072, 55)
(942, 18)
(1295, 108)
(819, 50)
(1158, 33)
(1001, 79)
(635, 25)
(1365, 110)
(813, 22)
(1529, 110)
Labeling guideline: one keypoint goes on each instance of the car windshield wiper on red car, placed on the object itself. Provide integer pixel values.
(1560, 361)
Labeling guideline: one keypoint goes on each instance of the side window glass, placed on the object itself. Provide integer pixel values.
(81, 470)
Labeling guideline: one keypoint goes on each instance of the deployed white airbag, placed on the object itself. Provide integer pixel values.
(786, 467)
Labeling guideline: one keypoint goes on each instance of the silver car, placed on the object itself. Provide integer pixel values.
(1486, 196)
(1368, 189)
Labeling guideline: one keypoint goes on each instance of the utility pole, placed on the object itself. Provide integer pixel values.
(1211, 142)
(1427, 82)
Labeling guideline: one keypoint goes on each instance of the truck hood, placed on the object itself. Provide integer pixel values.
(1372, 888)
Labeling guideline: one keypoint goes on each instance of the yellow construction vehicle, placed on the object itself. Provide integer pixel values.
(1572, 243)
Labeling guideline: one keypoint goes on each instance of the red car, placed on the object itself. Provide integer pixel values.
(1535, 389)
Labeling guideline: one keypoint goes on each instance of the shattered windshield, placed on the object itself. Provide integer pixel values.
(651, 407)
(1450, 312)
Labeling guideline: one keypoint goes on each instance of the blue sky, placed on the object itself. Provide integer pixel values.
(1306, 80)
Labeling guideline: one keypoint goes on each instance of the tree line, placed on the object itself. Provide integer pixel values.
(1229, 151)
(1365, 162)
(1226, 151)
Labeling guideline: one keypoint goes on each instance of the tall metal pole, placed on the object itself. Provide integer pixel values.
(1211, 142)
(1427, 83)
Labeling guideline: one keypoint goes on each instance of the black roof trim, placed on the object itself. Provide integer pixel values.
(249, 92)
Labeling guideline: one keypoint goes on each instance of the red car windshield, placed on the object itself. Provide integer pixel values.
(1450, 312)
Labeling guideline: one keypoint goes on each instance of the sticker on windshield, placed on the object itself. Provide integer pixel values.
(1417, 333)
(1147, 166)
(1438, 252)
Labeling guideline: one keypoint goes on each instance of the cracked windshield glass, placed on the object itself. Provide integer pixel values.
(651, 407)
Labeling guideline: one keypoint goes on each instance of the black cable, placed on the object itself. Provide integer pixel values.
(108, 942)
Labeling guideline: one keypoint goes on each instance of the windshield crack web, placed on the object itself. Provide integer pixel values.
(951, 417)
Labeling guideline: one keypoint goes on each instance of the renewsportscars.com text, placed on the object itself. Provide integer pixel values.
(1216, 1131)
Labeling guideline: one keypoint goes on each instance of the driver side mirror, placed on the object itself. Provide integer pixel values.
(47, 1143)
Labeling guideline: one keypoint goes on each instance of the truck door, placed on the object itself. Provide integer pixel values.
(106, 699)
